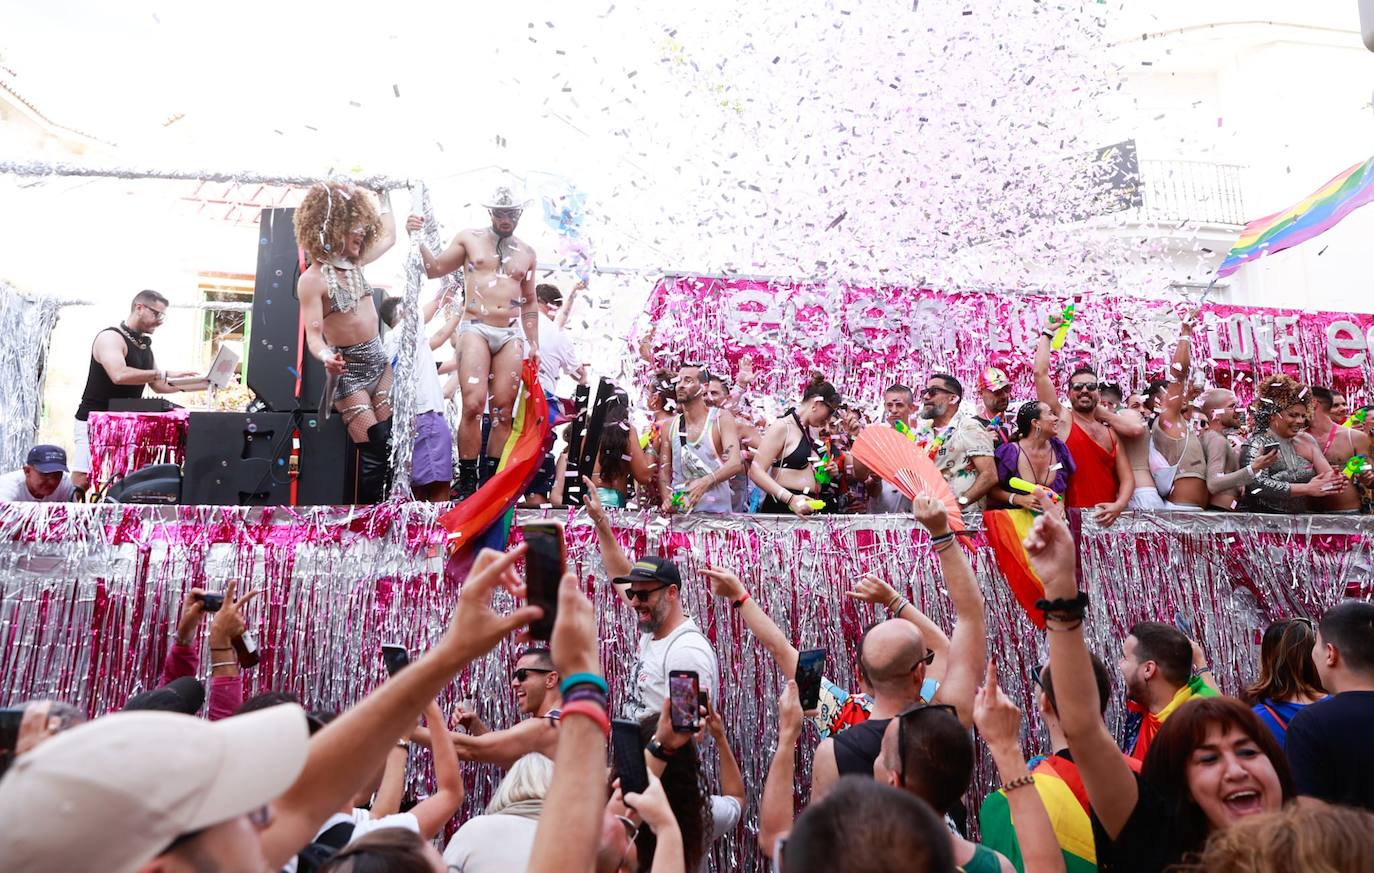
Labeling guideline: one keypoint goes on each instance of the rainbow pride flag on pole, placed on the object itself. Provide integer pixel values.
(1312, 216)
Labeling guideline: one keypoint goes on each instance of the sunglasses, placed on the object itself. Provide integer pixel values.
(159, 315)
(642, 595)
(1084, 386)
(930, 657)
(506, 213)
(935, 389)
(524, 673)
(901, 730)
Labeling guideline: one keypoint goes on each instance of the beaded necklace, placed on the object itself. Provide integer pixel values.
(347, 294)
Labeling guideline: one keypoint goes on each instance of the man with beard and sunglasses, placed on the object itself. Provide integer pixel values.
(1102, 478)
(960, 447)
(499, 291)
(535, 682)
(668, 639)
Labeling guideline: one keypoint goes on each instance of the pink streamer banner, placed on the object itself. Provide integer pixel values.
(865, 338)
(89, 596)
(122, 442)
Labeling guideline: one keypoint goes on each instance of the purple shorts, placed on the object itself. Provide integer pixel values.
(432, 458)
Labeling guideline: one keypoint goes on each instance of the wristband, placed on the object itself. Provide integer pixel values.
(587, 692)
(656, 749)
(1019, 782)
(588, 709)
(224, 664)
(583, 679)
(738, 603)
(941, 539)
(1047, 334)
(1205, 668)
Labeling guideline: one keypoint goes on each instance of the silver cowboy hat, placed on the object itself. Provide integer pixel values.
(504, 197)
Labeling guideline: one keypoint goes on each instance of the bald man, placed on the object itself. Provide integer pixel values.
(892, 661)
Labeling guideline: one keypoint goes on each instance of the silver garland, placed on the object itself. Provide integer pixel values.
(404, 380)
(26, 323)
(66, 168)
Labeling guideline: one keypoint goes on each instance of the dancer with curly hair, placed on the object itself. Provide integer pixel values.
(1282, 410)
(341, 230)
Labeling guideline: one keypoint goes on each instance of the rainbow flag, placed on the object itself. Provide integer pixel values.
(1005, 529)
(1066, 800)
(1312, 216)
(484, 518)
(1142, 725)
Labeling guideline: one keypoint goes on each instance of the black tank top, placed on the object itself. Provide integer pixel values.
(99, 389)
(857, 747)
(800, 456)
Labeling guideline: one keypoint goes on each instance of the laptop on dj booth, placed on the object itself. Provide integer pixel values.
(221, 371)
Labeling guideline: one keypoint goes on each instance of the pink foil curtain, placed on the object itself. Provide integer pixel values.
(864, 339)
(89, 595)
(122, 442)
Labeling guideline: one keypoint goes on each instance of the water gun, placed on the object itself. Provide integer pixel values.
(823, 476)
(1356, 466)
(902, 428)
(815, 504)
(1031, 488)
(1357, 420)
(679, 499)
(650, 435)
(1063, 332)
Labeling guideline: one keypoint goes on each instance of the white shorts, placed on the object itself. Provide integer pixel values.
(1147, 497)
(80, 461)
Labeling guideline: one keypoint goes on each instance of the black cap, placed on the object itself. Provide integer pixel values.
(651, 569)
(185, 695)
(47, 459)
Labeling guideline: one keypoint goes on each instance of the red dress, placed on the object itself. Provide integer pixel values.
(1094, 479)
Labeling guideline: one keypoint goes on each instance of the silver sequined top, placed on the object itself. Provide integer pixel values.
(1272, 489)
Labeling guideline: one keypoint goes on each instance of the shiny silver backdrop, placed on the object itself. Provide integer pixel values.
(89, 596)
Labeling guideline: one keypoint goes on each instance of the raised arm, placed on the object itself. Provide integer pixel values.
(612, 555)
(999, 723)
(382, 244)
(567, 836)
(1044, 388)
(449, 259)
(1126, 422)
(871, 589)
(726, 584)
(350, 748)
(505, 747)
(731, 779)
(391, 790)
(434, 811)
(567, 307)
(775, 809)
(529, 307)
(968, 645)
(1112, 789)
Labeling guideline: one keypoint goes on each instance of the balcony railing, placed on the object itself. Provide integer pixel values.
(1195, 191)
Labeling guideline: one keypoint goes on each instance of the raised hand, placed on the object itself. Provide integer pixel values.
(573, 643)
(228, 623)
(789, 713)
(476, 627)
(414, 223)
(931, 513)
(997, 718)
(873, 590)
(1052, 553)
(724, 583)
(192, 612)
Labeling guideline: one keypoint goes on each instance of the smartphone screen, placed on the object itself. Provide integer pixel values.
(395, 657)
(684, 695)
(544, 562)
(628, 748)
(810, 663)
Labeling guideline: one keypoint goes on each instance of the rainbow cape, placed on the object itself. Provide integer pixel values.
(484, 519)
(1005, 529)
(1066, 800)
(1312, 216)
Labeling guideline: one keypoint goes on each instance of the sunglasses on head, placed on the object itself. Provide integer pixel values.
(1084, 386)
(523, 673)
(930, 656)
(901, 730)
(642, 594)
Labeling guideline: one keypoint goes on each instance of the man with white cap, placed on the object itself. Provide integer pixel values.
(148, 792)
(994, 391)
(498, 271)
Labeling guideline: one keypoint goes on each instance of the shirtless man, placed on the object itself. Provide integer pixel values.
(341, 230)
(498, 274)
(1103, 479)
(1339, 444)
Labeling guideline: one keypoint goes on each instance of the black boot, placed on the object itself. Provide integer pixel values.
(374, 464)
(467, 478)
(486, 469)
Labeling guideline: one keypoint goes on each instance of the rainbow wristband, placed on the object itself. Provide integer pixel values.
(584, 679)
(586, 692)
(590, 710)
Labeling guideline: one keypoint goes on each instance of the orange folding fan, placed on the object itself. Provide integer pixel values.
(905, 466)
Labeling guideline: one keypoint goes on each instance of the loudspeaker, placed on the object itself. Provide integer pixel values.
(276, 322)
(329, 462)
(235, 458)
(155, 483)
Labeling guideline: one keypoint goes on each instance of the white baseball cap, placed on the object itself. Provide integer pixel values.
(114, 793)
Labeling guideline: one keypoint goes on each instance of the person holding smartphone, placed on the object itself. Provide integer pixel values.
(668, 640)
(535, 683)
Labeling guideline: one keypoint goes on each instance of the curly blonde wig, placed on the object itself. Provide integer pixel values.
(329, 213)
(1307, 835)
(1276, 393)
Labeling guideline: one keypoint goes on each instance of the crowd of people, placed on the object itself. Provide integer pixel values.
(191, 776)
